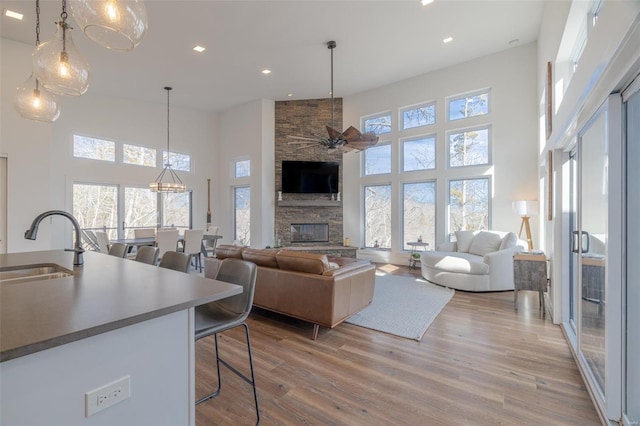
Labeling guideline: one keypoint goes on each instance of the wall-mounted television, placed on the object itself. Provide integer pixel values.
(310, 177)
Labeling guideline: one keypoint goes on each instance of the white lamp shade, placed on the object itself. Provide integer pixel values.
(114, 24)
(61, 70)
(525, 208)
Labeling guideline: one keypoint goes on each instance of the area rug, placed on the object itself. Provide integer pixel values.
(403, 306)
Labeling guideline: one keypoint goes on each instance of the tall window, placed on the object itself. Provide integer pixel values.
(176, 210)
(419, 202)
(469, 204)
(377, 159)
(377, 213)
(140, 209)
(96, 207)
(469, 106)
(178, 161)
(469, 148)
(138, 155)
(92, 148)
(378, 124)
(242, 168)
(417, 116)
(242, 214)
(419, 153)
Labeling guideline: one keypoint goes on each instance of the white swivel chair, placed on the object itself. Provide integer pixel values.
(103, 241)
(193, 245)
(166, 240)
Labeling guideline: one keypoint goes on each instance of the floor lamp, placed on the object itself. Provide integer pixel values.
(525, 209)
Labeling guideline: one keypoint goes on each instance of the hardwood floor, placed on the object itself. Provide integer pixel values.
(481, 362)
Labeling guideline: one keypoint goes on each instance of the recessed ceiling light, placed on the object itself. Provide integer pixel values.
(199, 49)
(14, 15)
(447, 40)
(289, 94)
(426, 2)
(266, 71)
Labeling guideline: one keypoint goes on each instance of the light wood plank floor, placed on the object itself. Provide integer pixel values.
(480, 363)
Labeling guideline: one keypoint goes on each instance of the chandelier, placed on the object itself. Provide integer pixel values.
(173, 182)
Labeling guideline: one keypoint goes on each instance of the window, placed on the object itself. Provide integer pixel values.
(417, 116)
(469, 148)
(419, 153)
(178, 161)
(469, 204)
(94, 149)
(377, 213)
(377, 124)
(469, 106)
(138, 155)
(242, 214)
(140, 209)
(377, 160)
(176, 210)
(419, 220)
(96, 207)
(242, 168)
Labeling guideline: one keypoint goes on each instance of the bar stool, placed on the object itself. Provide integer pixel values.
(176, 261)
(228, 313)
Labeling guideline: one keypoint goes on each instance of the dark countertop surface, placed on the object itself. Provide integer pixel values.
(105, 294)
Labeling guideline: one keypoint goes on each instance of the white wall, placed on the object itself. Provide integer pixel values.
(42, 169)
(247, 132)
(511, 77)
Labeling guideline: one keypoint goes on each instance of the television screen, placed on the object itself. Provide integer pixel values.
(310, 177)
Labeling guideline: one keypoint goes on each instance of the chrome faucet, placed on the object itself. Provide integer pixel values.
(30, 234)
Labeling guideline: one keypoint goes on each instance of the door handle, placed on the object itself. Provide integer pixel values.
(585, 241)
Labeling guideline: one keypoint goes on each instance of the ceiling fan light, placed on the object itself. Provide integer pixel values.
(114, 24)
(33, 102)
(59, 66)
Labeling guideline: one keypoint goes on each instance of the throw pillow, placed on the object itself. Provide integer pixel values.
(463, 239)
(485, 242)
(508, 241)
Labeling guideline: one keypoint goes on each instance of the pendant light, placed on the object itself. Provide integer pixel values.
(114, 24)
(58, 64)
(32, 101)
(175, 185)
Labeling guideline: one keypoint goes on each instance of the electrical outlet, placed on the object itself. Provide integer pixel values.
(105, 396)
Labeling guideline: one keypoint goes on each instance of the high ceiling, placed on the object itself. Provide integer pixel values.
(379, 42)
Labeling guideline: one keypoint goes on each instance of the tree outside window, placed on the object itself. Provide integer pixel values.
(242, 214)
(469, 148)
(419, 205)
(377, 160)
(419, 154)
(95, 149)
(378, 124)
(242, 168)
(469, 106)
(96, 207)
(377, 212)
(138, 155)
(469, 204)
(424, 115)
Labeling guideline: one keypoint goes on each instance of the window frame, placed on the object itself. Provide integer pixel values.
(382, 144)
(466, 95)
(73, 148)
(402, 110)
(374, 116)
(489, 178)
(448, 134)
(434, 182)
(402, 141)
(235, 211)
(155, 150)
(364, 214)
(173, 164)
(234, 165)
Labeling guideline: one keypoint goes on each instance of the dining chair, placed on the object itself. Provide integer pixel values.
(144, 233)
(147, 254)
(118, 249)
(193, 245)
(225, 314)
(166, 240)
(102, 238)
(176, 261)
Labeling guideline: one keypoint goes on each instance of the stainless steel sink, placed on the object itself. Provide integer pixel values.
(14, 274)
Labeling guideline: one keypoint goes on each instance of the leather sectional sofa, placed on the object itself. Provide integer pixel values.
(309, 286)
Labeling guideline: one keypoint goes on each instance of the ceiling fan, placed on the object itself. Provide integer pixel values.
(350, 139)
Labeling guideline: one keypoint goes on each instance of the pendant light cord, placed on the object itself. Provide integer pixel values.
(168, 164)
(331, 46)
(64, 16)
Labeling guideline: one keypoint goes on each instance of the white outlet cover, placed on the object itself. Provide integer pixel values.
(107, 395)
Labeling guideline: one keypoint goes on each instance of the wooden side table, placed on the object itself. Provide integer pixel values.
(530, 273)
(413, 260)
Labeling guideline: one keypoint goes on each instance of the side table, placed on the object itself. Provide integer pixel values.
(413, 259)
(530, 273)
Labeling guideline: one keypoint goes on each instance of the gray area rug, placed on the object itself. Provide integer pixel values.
(403, 306)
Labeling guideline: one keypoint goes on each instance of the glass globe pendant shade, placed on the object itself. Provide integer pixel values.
(59, 66)
(33, 102)
(114, 24)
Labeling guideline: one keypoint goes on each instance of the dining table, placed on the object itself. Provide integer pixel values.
(151, 241)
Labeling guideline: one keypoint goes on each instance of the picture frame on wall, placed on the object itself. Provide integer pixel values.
(549, 96)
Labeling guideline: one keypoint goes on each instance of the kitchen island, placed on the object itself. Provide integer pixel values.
(62, 337)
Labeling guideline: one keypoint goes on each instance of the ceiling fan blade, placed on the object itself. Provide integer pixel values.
(351, 134)
(361, 145)
(333, 133)
(369, 136)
